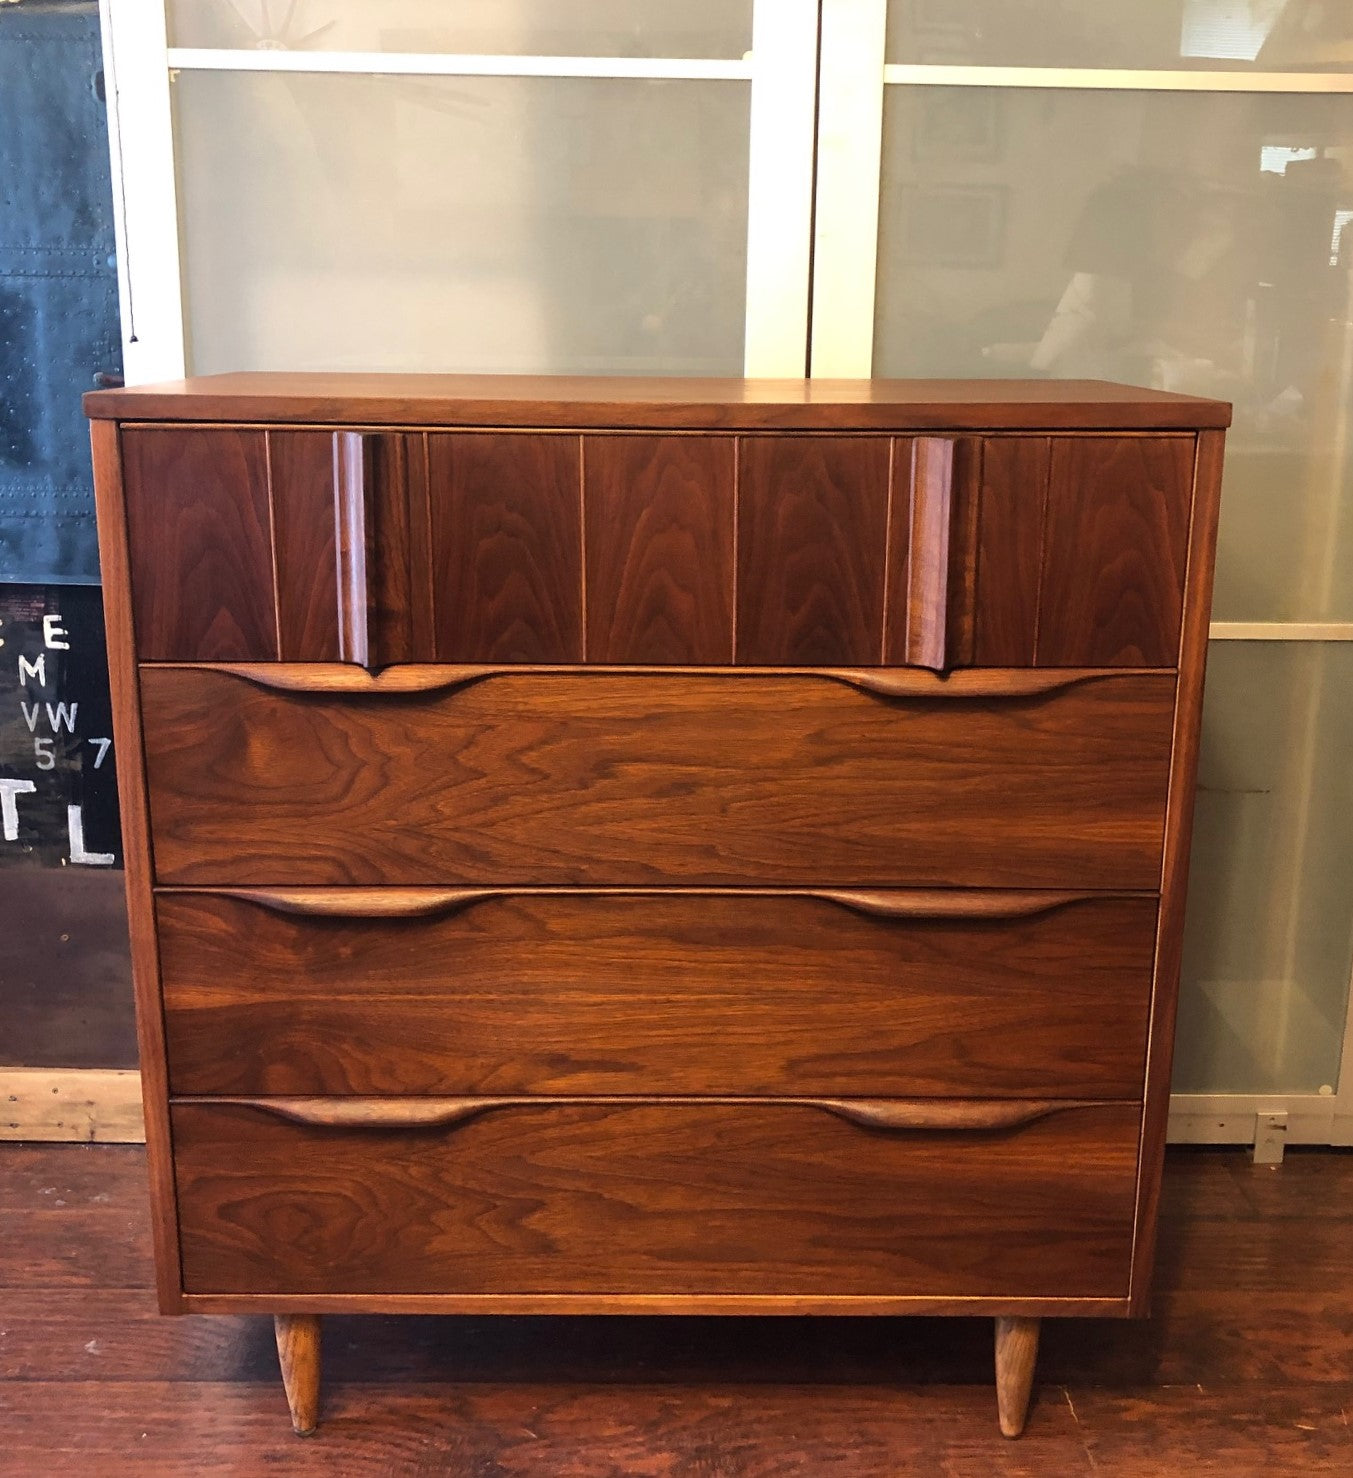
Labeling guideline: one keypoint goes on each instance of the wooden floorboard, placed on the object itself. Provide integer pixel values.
(1246, 1367)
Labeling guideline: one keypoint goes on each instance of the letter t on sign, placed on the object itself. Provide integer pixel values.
(10, 790)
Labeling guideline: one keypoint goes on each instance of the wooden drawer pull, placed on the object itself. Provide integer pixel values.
(949, 1115)
(354, 479)
(436, 903)
(362, 903)
(949, 903)
(413, 678)
(928, 561)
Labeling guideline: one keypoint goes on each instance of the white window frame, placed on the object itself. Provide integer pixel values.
(851, 85)
(781, 69)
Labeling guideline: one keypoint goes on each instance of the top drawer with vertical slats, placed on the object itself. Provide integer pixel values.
(559, 547)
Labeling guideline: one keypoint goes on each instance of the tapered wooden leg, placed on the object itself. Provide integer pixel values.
(298, 1354)
(1016, 1352)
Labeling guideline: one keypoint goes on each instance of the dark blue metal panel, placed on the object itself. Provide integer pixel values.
(65, 995)
(58, 285)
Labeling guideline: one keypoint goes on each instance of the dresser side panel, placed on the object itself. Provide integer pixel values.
(1178, 837)
(137, 859)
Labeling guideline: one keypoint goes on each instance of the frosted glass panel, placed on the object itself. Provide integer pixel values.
(1268, 35)
(1270, 922)
(485, 223)
(1196, 242)
(692, 28)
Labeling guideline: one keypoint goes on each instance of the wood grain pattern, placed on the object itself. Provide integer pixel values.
(298, 1354)
(1114, 551)
(1188, 721)
(1016, 1356)
(660, 537)
(1011, 521)
(601, 779)
(656, 1199)
(929, 513)
(200, 543)
(507, 547)
(812, 534)
(120, 633)
(659, 993)
(647, 403)
(301, 476)
(86, 1105)
(960, 642)
(400, 588)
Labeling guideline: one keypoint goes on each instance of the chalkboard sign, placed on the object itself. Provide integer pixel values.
(58, 781)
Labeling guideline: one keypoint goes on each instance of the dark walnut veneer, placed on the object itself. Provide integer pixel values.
(687, 846)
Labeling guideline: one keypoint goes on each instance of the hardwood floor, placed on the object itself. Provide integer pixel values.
(1247, 1367)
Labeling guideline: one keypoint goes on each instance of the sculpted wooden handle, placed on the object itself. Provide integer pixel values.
(354, 539)
(948, 903)
(362, 903)
(930, 524)
(941, 1115)
(412, 678)
(435, 903)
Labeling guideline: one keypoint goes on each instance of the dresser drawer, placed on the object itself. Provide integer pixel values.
(694, 1197)
(558, 546)
(280, 775)
(421, 991)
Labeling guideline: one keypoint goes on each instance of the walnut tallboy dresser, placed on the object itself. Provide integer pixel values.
(656, 846)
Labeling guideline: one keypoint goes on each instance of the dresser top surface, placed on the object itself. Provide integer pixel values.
(643, 403)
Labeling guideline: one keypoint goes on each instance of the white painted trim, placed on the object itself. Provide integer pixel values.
(1281, 631)
(1344, 1088)
(453, 64)
(1217, 1118)
(780, 187)
(1116, 79)
(849, 151)
(145, 198)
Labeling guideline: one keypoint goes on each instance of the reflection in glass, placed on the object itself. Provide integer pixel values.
(1191, 241)
(1270, 921)
(694, 28)
(476, 223)
(1264, 35)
